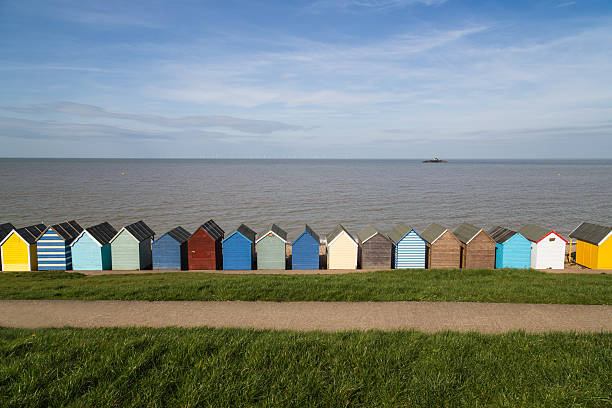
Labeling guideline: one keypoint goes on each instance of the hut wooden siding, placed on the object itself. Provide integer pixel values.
(375, 249)
(408, 247)
(342, 249)
(512, 250)
(205, 248)
(239, 248)
(18, 248)
(443, 248)
(91, 250)
(5, 229)
(593, 245)
(170, 250)
(477, 247)
(305, 250)
(53, 247)
(131, 247)
(547, 247)
(271, 248)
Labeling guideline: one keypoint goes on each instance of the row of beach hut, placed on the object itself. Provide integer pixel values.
(68, 246)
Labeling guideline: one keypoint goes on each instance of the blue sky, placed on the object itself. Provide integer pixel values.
(320, 79)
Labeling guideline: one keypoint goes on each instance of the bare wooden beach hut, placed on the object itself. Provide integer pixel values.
(205, 248)
(91, 250)
(271, 248)
(547, 247)
(18, 248)
(170, 250)
(477, 247)
(443, 248)
(342, 249)
(593, 246)
(375, 249)
(131, 247)
(408, 247)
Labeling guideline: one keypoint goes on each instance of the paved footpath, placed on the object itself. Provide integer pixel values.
(303, 316)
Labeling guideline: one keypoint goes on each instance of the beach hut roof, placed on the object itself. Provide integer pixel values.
(368, 232)
(399, 232)
(139, 230)
(245, 231)
(592, 233)
(68, 230)
(103, 233)
(32, 233)
(276, 230)
(433, 232)
(336, 232)
(180, 234)
(466, 232)
(5, 229)
(213, 229)
(501, 234)
(312, 233)
(535, 233)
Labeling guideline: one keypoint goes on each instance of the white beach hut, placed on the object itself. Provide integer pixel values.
(547, 247)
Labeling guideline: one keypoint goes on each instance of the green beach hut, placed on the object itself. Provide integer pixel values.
(272, 248)
(131, 247)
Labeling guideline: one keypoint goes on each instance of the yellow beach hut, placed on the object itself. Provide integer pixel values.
(19, 248)
(342, 249)
(593, 245)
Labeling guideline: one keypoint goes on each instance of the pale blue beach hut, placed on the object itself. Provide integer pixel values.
(91, 250)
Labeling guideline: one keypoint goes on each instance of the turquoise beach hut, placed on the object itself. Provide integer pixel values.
(305, 250)
(512, 250)
(239, 248)
(91, 250)
(408, 247)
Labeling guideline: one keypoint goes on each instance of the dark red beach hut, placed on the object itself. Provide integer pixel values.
(204, 248)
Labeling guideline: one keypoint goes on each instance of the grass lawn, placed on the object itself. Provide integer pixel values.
(516, 286)
(232, 367)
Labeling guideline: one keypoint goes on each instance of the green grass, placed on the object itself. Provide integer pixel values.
(232, 367)
(509, 286)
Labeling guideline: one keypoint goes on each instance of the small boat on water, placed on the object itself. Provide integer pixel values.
(435, 160)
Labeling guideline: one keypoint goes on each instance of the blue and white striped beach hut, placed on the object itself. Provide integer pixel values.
(408, 246)
(305, 250)
(239, 248)
(91, 250)
(53, 247)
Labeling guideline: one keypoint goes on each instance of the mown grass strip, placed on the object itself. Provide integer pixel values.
(505, 286)
(232, 367)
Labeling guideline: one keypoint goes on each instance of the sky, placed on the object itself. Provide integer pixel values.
(306, 79)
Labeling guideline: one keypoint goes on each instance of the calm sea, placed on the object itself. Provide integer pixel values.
(322, 193)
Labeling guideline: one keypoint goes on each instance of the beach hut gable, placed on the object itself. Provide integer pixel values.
(204, 247)
(18, 248)
(272, 248)
(593, 246)
(238, 249)
(170, 250)
(53, 246)
(337, 232)
(305, 250)
(432, 233)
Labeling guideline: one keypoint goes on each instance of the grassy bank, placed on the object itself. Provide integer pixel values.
(208, 367)
(516, 286)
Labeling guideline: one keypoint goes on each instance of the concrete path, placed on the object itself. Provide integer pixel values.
(313, 272)
(303, 316)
